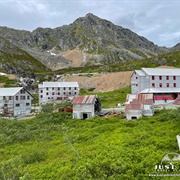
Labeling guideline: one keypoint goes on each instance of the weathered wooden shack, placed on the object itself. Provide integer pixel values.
(15, 102)
(139, 105)
(85, 107)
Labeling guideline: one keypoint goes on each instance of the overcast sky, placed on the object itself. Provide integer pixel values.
(156, 20)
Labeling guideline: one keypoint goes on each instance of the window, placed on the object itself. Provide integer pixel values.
(58, 89)
(52, 88)
(75, 92)
(153, 84)
(4, 97)
(27, 104)
(167, 84)
(28, 97)
(160, 77)
(47, 93)
(58, 93)
(136, 84)
(69, 93)
(52, 93)
(167, 77)
(136, 77)
(10, 98)
(64, 93)
(41, 96)
(69, 88)
(17, 98)
(174, 77)
(17, 105)
(174, 84)
(48, 97)
(64, 88)
(153, 78)
(75, 88)
(41, 91)
(22, 91)
(160, 84)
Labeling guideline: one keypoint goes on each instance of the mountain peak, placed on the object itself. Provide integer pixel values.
(90, 15)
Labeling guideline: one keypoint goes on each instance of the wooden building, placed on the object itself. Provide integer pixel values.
(15, 102)
(139, 105)
(85, 107)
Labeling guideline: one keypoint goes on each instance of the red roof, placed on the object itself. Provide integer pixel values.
(84, 99)
(137, 101)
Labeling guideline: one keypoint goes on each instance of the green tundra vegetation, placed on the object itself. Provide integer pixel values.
(109, 99)
(8, 82)
(55, 146)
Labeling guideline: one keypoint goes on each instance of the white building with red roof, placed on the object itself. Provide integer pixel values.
(163, 83)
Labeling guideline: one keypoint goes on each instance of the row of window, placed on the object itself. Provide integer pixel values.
(160, 77)
(17, 97)
(65, 93)
(22, 98)
(160, 85)
(64, 88)
(18, 105)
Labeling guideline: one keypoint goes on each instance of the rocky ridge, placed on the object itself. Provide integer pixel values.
(88, 40)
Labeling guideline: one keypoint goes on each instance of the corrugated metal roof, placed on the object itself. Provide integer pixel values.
(162, 71)
(59, 84)
(137, 101)
(9, 91)
(84, 99)
(133, 106)
(161, 90)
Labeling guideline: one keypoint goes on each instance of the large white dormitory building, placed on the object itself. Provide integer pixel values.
(57, 91)
(163, 83)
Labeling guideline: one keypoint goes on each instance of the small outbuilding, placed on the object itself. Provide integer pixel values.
(85, 107)
(138, 105)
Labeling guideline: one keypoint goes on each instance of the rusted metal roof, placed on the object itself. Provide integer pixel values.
(136, 102)
(84, 99)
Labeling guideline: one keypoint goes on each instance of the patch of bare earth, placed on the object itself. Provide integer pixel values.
(102, 82)
(76, 56)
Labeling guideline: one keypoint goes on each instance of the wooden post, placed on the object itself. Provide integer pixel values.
(178, 140)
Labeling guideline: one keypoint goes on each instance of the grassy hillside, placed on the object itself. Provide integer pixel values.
(54, 146)
(15, 60)
(110, 99)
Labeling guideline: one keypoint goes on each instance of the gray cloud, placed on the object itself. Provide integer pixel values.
(155, 20)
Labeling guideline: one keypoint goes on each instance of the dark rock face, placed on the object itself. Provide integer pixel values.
(99, 38)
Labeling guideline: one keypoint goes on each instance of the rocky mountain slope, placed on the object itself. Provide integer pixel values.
(89, 40)
(15, 60)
